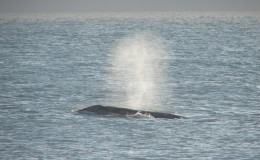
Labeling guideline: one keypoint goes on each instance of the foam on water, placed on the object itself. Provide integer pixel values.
(136, 68)
(140, 115)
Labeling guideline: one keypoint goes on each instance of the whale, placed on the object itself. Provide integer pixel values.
(116, 111)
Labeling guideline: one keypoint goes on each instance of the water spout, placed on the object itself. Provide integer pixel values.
(136, 68)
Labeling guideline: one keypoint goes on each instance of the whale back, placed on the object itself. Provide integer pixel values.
(108, 110)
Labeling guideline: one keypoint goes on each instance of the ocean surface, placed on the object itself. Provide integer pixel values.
(204, 66)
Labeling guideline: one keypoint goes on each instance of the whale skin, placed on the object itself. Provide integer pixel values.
(110, 110)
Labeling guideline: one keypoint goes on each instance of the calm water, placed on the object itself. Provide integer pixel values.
(207, 69)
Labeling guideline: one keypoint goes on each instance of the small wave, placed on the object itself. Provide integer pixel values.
(141, 115)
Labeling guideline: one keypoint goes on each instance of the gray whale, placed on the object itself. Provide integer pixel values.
(109, 110)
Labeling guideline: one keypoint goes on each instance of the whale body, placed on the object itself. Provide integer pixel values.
(110, 110)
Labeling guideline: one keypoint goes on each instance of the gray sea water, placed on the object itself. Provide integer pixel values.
(205, 66)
